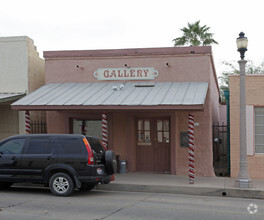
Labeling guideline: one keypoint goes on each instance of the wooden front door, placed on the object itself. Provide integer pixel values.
(153, 145)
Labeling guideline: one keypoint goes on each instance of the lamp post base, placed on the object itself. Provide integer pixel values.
(244, 183)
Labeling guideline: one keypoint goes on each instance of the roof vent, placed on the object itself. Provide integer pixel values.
(145, 85)
(117, 88)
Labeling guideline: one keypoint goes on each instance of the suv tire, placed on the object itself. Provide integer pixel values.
(61, 184)
(110, 162)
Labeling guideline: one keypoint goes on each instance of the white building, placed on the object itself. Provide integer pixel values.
(21, 72)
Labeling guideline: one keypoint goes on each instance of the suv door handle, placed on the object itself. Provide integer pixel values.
(51, 157)
(14, 158)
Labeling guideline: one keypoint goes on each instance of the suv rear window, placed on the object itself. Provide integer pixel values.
(95, 145)
(39, 146)
(70, 145)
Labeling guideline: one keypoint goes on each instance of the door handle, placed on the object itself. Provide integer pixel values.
(51, 157)
(14, 158)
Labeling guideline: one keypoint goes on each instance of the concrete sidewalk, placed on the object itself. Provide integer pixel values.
(166, 183)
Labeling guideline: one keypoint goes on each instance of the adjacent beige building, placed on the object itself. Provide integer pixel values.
(21, 72)
(255, 124)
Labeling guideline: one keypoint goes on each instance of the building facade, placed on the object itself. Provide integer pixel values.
(255, 124)
(21, 72)
(147, 95)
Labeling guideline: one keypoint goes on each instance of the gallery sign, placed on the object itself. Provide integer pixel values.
(138, 73)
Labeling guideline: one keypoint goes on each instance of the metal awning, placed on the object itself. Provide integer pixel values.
(115, 95)
(6, 97)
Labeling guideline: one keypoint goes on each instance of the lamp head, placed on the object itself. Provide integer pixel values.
(242, 43)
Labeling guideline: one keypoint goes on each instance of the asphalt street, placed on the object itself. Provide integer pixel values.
(38, 203)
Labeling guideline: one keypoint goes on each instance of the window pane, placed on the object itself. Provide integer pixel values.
(159, 125)
(259, 130)
(12, 147)
(259, 119)
(147, 125)
(143, 132)
(166, 137)
(94, 128)
(147, 136)
(141, 136)
(88, 127)
(259, 139)
(259, 111)
(78, 126)
(166, 125)
(259, 148)
(39, 146)
(140, 124)
(160, 139)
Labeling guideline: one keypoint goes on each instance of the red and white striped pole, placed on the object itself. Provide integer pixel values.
(104, 130)
(27, 122)
(191, 148)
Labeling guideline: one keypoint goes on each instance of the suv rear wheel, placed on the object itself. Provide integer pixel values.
(110, 162)
(61, 184)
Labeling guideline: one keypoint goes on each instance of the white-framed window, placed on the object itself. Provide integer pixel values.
(88, 127)
(259, 130)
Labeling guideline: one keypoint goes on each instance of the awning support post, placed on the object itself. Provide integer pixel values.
(191, 148)
(27, 122)
(104, 130)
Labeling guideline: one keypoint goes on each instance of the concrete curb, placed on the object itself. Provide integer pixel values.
(201, 191)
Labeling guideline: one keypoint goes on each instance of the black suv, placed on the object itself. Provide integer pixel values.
(62, 162)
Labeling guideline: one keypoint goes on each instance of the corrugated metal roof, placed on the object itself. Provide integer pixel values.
(6, 97)
(112, 93)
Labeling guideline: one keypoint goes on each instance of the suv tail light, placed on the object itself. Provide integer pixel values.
(90, 152)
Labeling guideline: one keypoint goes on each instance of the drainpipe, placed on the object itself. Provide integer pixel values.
(226, 93)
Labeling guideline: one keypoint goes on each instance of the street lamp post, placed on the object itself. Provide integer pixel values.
(243, 180)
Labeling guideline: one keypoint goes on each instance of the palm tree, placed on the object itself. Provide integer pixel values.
(195, 35)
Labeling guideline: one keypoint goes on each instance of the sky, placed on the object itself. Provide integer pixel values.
(118, 24)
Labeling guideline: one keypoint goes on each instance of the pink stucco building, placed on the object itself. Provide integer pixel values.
(146, 94)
